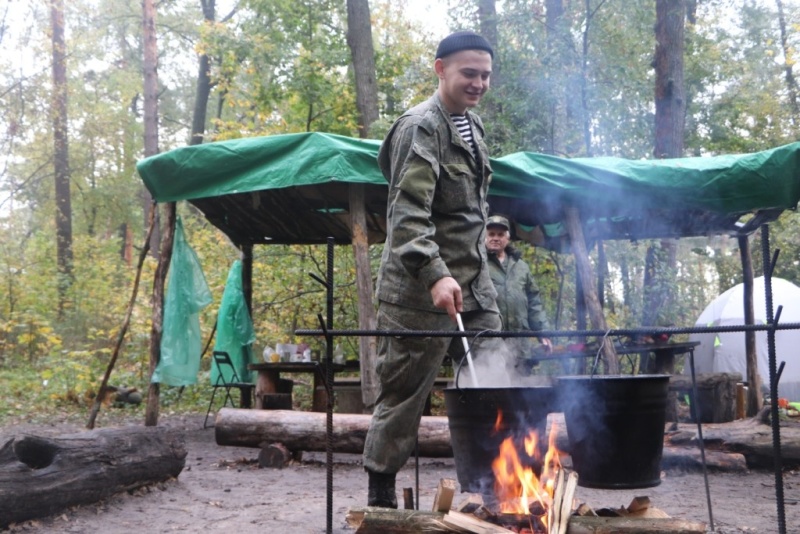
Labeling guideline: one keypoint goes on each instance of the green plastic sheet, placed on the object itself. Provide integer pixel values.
(726, 183)
(187, 294)
(234, 328)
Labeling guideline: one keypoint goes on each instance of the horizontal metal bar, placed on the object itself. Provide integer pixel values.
(649, 330)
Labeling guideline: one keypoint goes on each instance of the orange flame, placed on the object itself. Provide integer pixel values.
(516, 485)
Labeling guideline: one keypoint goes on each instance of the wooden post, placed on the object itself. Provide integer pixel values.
(157, 321)
(366, 310)
(247, 277)
(610, 360)
(754, 403)
(580, 323)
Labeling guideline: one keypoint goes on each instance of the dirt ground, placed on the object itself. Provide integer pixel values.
(221, 489)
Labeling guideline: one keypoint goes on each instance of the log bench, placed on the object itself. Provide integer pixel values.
(347, 392)
(716, 402)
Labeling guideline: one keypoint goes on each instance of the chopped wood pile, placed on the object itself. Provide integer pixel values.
(563, 517)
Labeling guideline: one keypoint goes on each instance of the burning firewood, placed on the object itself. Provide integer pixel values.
(561, 508)
(470, 504)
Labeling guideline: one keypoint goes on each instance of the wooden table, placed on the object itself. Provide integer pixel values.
(661, 362)
(268, 381)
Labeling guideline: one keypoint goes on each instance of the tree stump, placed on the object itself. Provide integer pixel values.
(40, 476)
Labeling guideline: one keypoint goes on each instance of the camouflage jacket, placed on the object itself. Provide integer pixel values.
(436, 210)
(518, 295)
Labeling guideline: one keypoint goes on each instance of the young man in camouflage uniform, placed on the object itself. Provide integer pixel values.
(518, 297)
(434, 263)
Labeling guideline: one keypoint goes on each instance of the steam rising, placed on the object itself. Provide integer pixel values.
(495, 366)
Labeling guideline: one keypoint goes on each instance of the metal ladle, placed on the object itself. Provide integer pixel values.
(471, 366)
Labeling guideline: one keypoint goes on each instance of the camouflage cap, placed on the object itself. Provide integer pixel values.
(498, 220)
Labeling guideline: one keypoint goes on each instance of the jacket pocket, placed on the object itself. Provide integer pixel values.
(456, 188)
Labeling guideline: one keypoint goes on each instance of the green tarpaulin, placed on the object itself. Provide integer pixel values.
(293, 188)
(234, 328)
(187, 294)
(258, 163)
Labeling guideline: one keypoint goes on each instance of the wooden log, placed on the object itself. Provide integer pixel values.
(273, 455)
(716, 402)
(387, 521)
(373, 520)
(633, 525)
(306, 431)
(750, 438)
(689, 458)
(41, 476)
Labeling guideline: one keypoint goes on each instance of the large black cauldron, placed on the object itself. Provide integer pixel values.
(472, 414)
(616, 428)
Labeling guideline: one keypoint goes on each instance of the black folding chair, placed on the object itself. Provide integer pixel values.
(222, 361)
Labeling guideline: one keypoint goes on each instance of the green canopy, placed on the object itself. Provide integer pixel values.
(295, 189)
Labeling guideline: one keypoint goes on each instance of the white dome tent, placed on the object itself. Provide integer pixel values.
(725, 352)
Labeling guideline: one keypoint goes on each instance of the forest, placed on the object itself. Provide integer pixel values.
(90, 87)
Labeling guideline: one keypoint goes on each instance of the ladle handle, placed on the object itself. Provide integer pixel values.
(472, 372)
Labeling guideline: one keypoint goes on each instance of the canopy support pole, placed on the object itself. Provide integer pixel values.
(366, 310)
(247, 276)
(753, 377)
(587, 277)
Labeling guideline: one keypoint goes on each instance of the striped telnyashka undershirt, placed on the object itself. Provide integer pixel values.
(463, 127)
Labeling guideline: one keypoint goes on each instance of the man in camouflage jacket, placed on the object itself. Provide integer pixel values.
(518, 296)
(434, 263)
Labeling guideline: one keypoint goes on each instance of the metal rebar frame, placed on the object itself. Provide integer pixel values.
(772, 325)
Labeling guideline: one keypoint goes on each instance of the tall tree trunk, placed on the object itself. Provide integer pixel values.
(150, 149)
(61, 155)
(791, 82)
(359, 39)
(555, 58)
(669, 90)
(588, 15)
(669, 124)
(487, 22)
(203, 89)
(150, 68)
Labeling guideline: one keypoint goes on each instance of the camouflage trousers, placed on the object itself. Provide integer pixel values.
(407, 368)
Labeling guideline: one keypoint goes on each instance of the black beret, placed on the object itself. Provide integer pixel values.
(463, 40)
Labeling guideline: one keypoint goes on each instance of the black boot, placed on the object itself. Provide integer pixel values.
(381, 490)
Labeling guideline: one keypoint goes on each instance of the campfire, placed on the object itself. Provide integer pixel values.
(525, 482)
(532, 493)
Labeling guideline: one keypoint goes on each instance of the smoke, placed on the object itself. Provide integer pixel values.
(495, 365)
(491, 359)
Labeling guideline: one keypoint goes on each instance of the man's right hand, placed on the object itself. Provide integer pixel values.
(446, 295)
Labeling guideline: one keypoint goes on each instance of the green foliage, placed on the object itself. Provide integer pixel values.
(284, 66)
